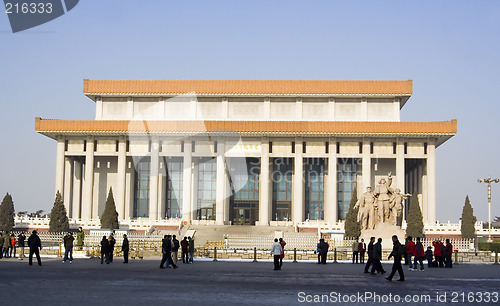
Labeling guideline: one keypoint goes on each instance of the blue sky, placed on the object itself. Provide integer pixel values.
(448, 48)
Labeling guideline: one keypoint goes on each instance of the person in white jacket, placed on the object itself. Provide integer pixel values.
(276, 250)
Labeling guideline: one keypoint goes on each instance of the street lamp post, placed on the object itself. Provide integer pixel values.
(489, 181)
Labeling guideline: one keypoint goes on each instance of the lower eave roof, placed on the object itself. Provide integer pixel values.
(441, 129)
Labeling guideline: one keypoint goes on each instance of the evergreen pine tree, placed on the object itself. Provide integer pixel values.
(415, 224)
(468, 220)
(109, 218)
(352, 226)
(7, 213)
(58, 218)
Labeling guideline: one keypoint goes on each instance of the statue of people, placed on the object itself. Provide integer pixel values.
(383, 193)
(396, 205)
(366, 213)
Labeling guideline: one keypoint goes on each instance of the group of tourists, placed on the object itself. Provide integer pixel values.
(358, 251)
(10, 243)
(170, 251)
(441, 257)
(278, 251)
(374, 251)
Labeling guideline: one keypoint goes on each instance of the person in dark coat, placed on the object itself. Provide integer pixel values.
(35, 246)
(20, 242)
(397, 253)
(175, 249)
(184, 247)
(112, 242)
(68, 247)
(6, 245)
(104, 249)
(1, 245)
(323, 246)
(125, 248)
(448, 252)
(370, 254)
(166, 249)
(376, 257)
(191, 249)
(362, 251)
(429, 256)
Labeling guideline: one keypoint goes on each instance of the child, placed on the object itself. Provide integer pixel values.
(428, 256)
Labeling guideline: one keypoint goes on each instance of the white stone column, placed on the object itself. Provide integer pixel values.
(366, 166)
(68, 185)
(77, 190)
(298, 109)
(220, 191)
(98, 108)
(400, 165)
(331, 205)
(119, 193)
(265, 183)
(60, 165)
(187, 188)
(88, 186)
(431, 181)
(364, 110)
(298, 183)
(153, 180)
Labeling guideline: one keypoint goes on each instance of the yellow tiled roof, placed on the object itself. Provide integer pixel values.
(48, 126)
(246, 87)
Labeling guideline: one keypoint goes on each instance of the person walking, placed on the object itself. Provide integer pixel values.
(355, 251)
(282, 243)
(80, 238)
(370, 254)
(362, 250)
(112, 242)
(191, 249)
(68, 247)
(175, 249)
(397, 253)
(104, 249)
(318, 251)
(35, 245)
(184, 249)
(276, 251)
(125, 248)
(13, 242)
(20, 242)
(6, 245)
(410, 250)
(448, 252)
(166, 249)
(419, 255)
(376, 257)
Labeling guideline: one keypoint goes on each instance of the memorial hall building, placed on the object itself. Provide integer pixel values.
(254, 152)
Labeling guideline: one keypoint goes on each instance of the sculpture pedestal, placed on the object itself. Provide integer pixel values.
(384, 231)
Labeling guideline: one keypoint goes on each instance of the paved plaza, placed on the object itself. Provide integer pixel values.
(141, 282)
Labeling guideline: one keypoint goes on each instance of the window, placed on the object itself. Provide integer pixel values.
(141, 188)
(207, 182)
(282, 189)
(346, 183)
(175, 173)
(315, 188)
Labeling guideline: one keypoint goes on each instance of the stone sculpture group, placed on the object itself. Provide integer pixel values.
(385, 205)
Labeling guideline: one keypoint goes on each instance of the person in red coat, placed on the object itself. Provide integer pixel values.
(419, 255)
(410, 250)
(437, 252)
(282, 243)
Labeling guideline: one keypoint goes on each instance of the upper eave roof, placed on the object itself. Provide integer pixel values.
(247, 87)
(443, 129)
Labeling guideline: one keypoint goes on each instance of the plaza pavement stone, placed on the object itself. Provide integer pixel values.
(141, 282)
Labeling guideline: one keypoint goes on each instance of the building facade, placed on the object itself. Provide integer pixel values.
(242, 151)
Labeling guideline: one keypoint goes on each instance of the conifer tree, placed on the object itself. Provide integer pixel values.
(352, 226)
(468, 220)
(7, 213)
(415, 224)
(109, 218)
(58, 217)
